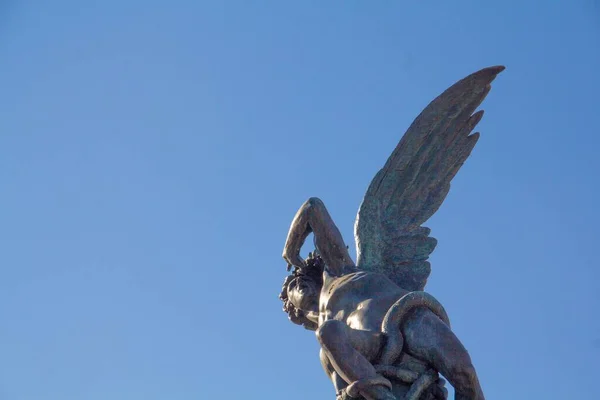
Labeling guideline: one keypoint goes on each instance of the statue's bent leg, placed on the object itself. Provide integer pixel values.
(430, 339)
(349, 351)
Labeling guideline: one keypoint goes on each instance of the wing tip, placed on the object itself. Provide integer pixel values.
(496, 69)
(482, 78)
(489, 73)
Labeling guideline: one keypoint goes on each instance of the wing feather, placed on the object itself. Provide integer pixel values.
(415, 180)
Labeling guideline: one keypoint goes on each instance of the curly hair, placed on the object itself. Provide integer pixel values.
(314, 272)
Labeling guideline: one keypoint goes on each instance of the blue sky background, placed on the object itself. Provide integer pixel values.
(152, 156)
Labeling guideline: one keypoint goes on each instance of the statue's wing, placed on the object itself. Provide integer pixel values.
(414, 182)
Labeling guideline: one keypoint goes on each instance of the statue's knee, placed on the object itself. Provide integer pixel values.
(330, 332)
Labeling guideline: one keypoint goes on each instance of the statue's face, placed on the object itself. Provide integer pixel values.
(304, 293)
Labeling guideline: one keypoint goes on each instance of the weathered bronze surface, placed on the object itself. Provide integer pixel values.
(381, 336)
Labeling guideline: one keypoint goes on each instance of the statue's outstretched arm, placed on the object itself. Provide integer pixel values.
(313, 217)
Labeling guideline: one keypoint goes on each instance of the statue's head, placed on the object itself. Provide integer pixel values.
(301, 290)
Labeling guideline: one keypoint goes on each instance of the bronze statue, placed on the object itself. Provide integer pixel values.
(381, 336)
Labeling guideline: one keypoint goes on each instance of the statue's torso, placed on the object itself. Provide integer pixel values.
(360, 299)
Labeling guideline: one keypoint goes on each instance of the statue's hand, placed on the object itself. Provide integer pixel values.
(292, 257)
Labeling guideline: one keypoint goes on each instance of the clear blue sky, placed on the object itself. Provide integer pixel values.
(152, 156)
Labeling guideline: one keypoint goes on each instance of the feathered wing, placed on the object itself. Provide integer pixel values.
(414, 182)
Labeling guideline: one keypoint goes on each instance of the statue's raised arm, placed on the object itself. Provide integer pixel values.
(313, 217)
(414, 182)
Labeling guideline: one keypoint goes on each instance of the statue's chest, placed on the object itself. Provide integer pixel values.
(367, 316)
(347, 305)
(336, 301)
